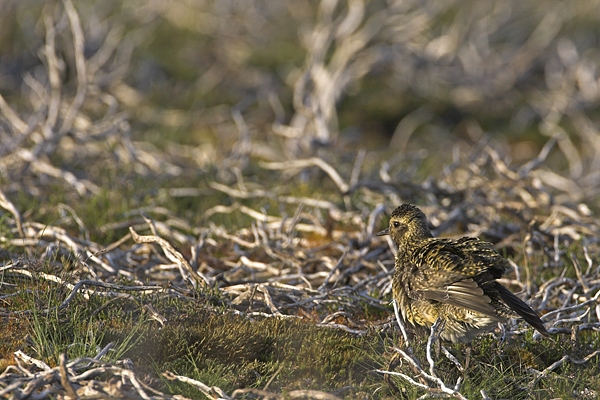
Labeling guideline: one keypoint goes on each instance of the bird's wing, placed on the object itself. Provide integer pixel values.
(447, 275)
(465, 293)
(482, 255)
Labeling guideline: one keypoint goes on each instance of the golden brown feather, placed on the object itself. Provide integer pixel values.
(454, 280)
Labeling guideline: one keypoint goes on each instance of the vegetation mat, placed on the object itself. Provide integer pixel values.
(200, 221)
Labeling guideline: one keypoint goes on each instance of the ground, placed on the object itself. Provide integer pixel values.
(189, 195)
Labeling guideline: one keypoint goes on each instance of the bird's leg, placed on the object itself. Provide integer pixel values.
(436, 329)
(394, 362)
(468, 355)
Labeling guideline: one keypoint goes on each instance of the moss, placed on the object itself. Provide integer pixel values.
(307, 356)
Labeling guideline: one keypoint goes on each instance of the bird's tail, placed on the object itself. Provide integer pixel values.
(522, 309)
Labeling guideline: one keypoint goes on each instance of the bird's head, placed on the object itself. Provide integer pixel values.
(407, 222)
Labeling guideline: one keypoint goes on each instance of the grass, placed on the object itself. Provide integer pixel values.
(198, 341)
(184, 87)
(205, 339)
(78, 331)
(202, 341)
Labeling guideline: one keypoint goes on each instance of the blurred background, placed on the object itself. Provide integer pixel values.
(421, 78)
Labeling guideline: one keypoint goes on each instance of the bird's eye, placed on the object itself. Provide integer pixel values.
(396, 224)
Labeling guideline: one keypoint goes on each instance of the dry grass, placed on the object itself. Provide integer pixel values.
(164, 235)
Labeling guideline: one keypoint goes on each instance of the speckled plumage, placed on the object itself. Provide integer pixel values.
(454, 280)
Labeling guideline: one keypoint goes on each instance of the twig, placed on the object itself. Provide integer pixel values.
(306, 163)
(172, 255)
(332, 271)
(556, 364)
(105, 285)
(405, 377)
(64, 378)
(400, 324)
(593, 300)
(7, 205)
(454, 360)
(80, 66)
(441, 386)
(210, 392)
(436, 329)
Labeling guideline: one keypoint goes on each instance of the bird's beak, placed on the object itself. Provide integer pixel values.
(383, 232)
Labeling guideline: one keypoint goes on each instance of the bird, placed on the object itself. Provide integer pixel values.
(450, 280)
